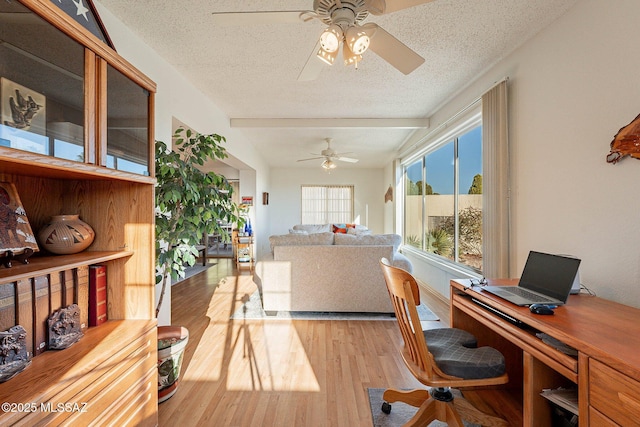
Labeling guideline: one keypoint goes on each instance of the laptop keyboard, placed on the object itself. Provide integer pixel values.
(529, 295)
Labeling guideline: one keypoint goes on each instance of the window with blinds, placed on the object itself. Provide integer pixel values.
(327, 204)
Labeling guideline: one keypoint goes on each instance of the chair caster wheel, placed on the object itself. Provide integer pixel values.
(386, 407)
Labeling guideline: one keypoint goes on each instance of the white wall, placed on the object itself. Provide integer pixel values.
(284, 195)
(570, 89)
(177, 97)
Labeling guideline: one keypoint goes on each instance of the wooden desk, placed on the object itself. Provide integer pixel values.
(605, 334)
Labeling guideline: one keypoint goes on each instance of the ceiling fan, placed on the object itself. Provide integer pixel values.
(344, 29)
(329, 156)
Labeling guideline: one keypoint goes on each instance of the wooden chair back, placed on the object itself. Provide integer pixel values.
(405, 297)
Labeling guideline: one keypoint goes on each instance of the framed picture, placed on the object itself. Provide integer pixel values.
(22, 108)
(15, 231)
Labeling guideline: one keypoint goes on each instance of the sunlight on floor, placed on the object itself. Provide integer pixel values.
(258, 355)
(282, 365)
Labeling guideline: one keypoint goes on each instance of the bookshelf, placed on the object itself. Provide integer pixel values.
(111, 372)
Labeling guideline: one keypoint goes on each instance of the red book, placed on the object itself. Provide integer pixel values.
(97, 295)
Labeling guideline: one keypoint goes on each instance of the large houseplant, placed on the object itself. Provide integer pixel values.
(190, 204)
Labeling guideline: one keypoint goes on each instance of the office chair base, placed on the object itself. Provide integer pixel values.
(439, 404)
(442, 394)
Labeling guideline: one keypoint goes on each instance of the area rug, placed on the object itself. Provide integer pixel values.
(252, 309)
(192, 271)
(400, 412)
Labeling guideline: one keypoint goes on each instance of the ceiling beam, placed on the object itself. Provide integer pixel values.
(331, 123)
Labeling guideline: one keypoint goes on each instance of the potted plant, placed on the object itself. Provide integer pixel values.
(190, 204)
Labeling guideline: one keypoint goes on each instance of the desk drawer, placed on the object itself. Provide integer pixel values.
(614, 394)
(599, 420)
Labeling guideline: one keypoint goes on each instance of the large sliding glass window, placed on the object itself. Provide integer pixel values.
(443, 197)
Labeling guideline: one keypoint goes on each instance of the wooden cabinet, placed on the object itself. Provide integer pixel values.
(110, 375)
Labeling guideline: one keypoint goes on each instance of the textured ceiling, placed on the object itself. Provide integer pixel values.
(251, 71)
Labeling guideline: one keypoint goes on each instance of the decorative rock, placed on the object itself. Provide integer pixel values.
(64, 327)
(13, 352)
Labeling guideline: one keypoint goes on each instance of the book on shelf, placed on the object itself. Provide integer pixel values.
(55, 291)
(82, 295)
(566, 398)
(40, 289)
(68, 279)
(24, 307)
(7, 306)
(97, 295)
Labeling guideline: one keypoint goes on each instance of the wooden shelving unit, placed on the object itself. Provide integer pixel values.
(110, 375)
(243, 247)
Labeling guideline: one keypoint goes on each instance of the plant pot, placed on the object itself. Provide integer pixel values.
(172, 340)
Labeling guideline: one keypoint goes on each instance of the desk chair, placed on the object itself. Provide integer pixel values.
(440, 359)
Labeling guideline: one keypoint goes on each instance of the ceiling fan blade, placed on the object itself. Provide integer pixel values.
(380, 7)
(253, 18)
(312, 158)
(392, 50)
(313, 67)
(347, 159)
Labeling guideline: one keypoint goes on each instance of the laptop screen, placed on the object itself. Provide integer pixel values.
(551, 275)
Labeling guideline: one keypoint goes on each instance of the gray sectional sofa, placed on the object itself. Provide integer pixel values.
(329, 272)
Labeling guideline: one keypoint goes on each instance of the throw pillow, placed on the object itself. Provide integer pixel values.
(370, 240)
(292, 231)
(301, 239)
(313, 228)
(342, 228)
(358, 231)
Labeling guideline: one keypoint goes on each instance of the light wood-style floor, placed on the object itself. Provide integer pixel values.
(277, 372)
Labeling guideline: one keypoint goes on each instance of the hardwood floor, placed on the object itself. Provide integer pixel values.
(277, 372)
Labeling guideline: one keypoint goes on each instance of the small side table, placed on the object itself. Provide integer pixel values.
(244, 252)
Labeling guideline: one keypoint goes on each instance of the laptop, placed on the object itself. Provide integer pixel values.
(546, 279)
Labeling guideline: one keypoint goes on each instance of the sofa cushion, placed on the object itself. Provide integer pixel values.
(313, 228)
(369, 240)
(301, 239)
(401, 261)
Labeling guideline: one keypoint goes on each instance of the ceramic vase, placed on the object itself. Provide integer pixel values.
(66, 234)
(172, 341)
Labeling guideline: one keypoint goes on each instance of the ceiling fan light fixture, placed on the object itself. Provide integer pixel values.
(349, 57)
(328, 164)
(326, 56)
(331, 37)
(357, 40)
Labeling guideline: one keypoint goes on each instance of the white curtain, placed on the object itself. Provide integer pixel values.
(495, 185)
(326, 204)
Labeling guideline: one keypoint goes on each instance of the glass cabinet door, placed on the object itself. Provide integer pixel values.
(41, 86)
(127, 124)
